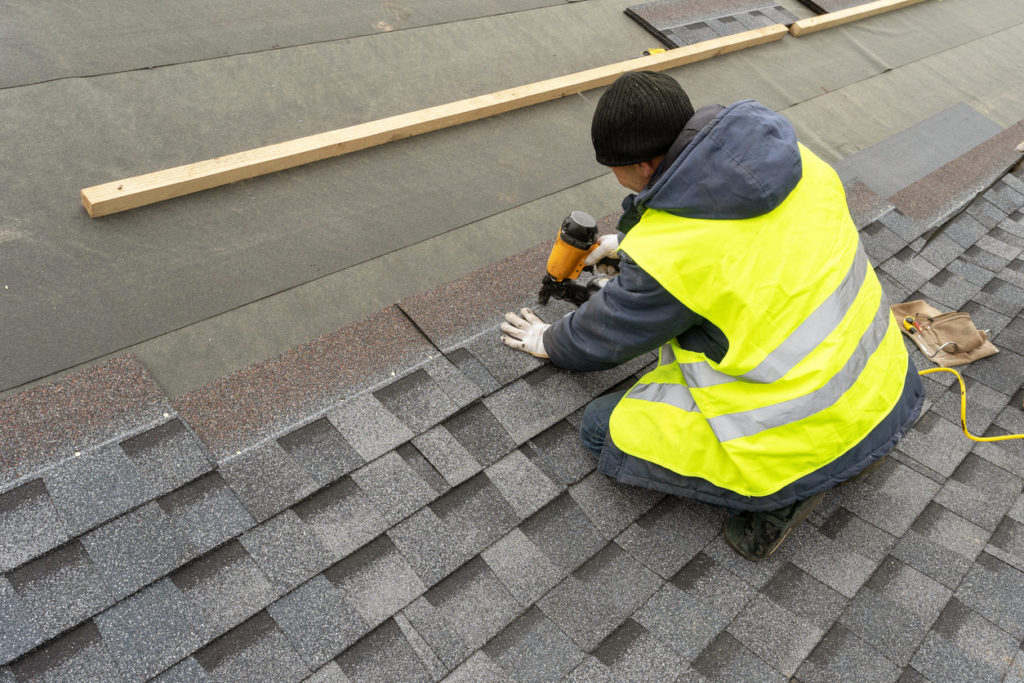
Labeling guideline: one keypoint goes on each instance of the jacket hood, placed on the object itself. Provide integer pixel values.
(740, 165)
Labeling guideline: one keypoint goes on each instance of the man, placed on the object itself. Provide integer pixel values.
(781, 370)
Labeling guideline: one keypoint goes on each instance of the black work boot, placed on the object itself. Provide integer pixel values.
(756, 535)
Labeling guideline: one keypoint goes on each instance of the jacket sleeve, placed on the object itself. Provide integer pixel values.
(631, 315)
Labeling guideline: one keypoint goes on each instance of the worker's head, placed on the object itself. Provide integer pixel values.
(636, 121)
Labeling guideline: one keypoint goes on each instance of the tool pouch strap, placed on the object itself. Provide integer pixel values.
(948, 339)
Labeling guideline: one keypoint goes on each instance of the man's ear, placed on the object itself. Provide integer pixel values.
(649, 167)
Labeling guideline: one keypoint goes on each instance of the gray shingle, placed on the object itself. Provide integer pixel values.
(806, 597)
(423, 650)
(520, 410)
(185, 671)
(894, 610)
(318, 620)
(974, 274)
(61, 588)
(632, 653)
(689, 611)
(560, 390)
(948, 290)
(167, 456)
(560, 454)
(965, 230)
(225, 586)
(29, 524)
(596, 598)
(19, 632)
(611, 506)
(532, 648)
(136, 549)
(1009, 539)
(423, 469)
(267, 480)
(447, 455)
(376, 580)
(78, 655)
(986, 213)
(936, 442)
(891, 497)
(775, 634)
(558, 520)
(384, 655)
(287, 550)
(990, 254)
(477, 668)
(502, 363)
(522, 567)
(416, 400)
(461, 613)
(880, 243)
(757, 574)
(911, 270)
(393, 486)
(476, 512)
(841, 652)
(986, 588)
(368, 426)
(206, 512)
(983, 407)
(151, 630)
(256, 650)
(726, 659)
(854, 533)
(980, 492)
(962, 646)
(429, 546)
(474, 370)
(670, 534)
(459, 387)
(328, 673)
(1001, 372)
(342, 517)
(941, 251)
(321, 450)
(1005, 197)
(479, 432)
(93, 488)
(521, 483)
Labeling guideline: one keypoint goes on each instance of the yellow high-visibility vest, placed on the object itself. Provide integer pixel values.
(815, 358)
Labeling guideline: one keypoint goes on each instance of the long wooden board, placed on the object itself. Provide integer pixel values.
(847, 15)
(130, 193)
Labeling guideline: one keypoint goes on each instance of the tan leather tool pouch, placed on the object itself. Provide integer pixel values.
(948, 339)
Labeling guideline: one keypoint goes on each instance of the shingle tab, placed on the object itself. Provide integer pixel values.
(225, 586)
(775, 634)
(632, 653)
(206, 512)
(287, 550)
(611, 506)
(416, 400)
(501, 362)
(596, 598)
(476, 512)
(428, 545)
(370, 427)
(393, 486)
(167, 456)
(726, 659)
(828, 561)
(964, 646)
(151, 630)
(61, 588)
(806, 597)
(558, 520)
(78, 655)
(478, 431)
(19, 632)
(474, 370)
(859, 536)
(532, 648)
(670, 534)
(376, 580)
(318, 621)
(891, 497)
(185, 671)
(985, 590)
(93, 488)
(462, 612)
(267, 480)
(29, 524)
(384, 655)
(447, 455)
(520, 410)
(841, 652)
(453, 380)
(521, 483)
(688, 612)
(256, 650)
(560, 454)
(980, 492)
(321, 450)
(522, 567)
(342, 517)
(136, 549)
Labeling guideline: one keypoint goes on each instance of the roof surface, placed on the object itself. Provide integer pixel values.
(422, 508)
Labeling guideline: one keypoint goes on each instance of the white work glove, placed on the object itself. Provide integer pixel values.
(607, 246)
(525, 333)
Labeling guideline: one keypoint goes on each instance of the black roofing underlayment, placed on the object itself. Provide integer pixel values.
(419, 507)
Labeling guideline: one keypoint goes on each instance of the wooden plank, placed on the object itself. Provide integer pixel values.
(130, 193)
(831, 19)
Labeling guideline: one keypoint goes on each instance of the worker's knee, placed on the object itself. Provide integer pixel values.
(594, 425)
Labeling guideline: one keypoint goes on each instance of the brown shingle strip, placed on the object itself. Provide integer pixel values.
(246, 407)
(45, 424)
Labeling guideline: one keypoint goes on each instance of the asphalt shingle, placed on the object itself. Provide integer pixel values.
(342, 517)
(854, 533)
(255, 650)
(167, 456)
(267, 479)
(19, 632)
(318, 620)
(416, 400)
(775, 634)
(841, 652)
(964, 646)
(226, 587)
(78, 655)
(393, 486)
(670, 534)
(521, 566)
(726, 659)
(152, 630)
(384, 655)
(206, 512)
(447, 455)
(376, 580)
(520, 410)
(632, 653)
(29, 524)
(479, 432)
(321, 450)
(805, 597)
(61, 589)
(474, 370)
(370, 427)
(980, 492)
(287, 550)
(610, 506)
(986, 588)
(558, 452)
(521, 483)
(560, 519)
(136, 549)
(532, 648)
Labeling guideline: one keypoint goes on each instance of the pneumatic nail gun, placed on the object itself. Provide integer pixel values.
(577, 237)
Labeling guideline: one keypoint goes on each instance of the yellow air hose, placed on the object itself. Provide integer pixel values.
(963, 409)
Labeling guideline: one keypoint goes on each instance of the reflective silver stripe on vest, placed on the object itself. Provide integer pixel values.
(672, 394)
(749, 422)
(812, 331)
(667, 356)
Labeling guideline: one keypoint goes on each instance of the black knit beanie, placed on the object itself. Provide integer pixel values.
(638, 118)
